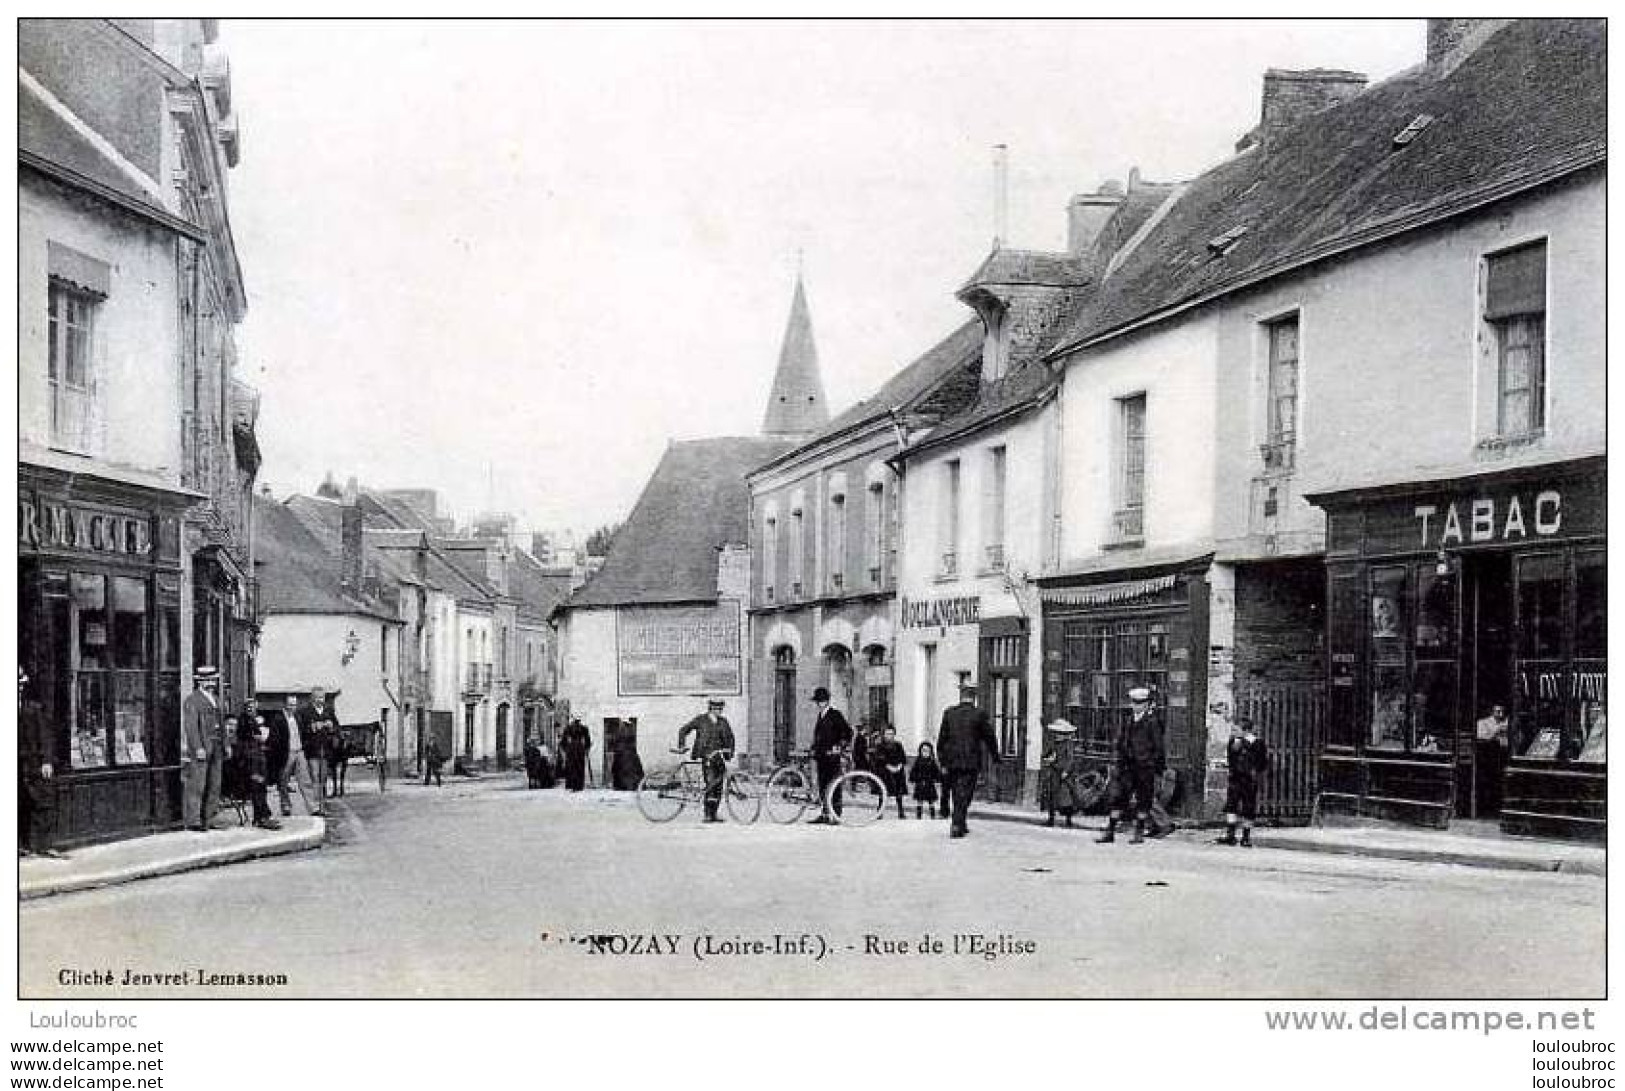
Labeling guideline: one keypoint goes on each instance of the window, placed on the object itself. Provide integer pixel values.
(876, 536)
(1282, 410)
(383, 649)
(70, 365)
(836, 550)
(502, 651)
(993, 510)
(1129, 519)
(1390, 711)
(948, 530)
(770, 556)
(879, 677)
(1515, 312)
(798, 547)
(103, 625)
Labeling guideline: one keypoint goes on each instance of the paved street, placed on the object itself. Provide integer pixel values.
(477, 889)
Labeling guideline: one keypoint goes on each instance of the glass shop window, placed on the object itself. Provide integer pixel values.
(1590, 686)
(130, 660)
(1389, 676)
(1433, 704)
(1539, 730)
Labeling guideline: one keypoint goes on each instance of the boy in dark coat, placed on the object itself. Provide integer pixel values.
(1060, 781)
(1248, 760)
(1140, 761)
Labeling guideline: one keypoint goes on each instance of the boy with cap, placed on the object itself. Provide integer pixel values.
(1248, 759)
(1140, 760)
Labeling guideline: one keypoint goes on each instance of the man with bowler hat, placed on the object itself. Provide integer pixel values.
(965, 733)
(831, 736)
(1140, 761)
(203, 749)
(713, 746)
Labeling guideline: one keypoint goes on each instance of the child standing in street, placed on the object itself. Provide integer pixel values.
(1248, 759)
(925, 776)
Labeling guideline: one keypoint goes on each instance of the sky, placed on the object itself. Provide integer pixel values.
(511, 261)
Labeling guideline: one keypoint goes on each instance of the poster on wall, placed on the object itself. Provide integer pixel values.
(674, 650)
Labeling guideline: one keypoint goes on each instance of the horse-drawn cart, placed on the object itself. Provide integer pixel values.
(363, 741)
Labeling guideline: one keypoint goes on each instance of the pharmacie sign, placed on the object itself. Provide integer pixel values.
(45, 525)
(935, 613)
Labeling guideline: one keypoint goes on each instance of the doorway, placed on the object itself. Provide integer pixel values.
(784, 704)
(502, 737)
(1487, 606)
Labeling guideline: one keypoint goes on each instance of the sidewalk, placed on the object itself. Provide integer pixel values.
(161, 854)
(1468, 849)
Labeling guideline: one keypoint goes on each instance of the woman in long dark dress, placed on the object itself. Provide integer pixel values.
(574, 743)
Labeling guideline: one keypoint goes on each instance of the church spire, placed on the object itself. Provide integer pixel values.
(796, 407)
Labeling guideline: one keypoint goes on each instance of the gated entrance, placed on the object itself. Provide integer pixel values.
(1290, 717)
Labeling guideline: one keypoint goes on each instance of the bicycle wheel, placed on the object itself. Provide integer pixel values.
(661, 797)
(862, 798)
(743, 798)
(788, 795)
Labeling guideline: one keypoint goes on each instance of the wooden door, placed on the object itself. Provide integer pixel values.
(784, 704)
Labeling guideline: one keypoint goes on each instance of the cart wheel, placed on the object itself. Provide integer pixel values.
(661, 797)
(788, 795)
(742, 795)
(862, 799)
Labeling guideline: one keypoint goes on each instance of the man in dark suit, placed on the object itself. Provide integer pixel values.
(36, 792)
(965, 733)
(713, 746)
(831, 736)
(1140, 761)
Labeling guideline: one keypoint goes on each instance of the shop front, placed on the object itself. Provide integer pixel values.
(99, 636)
(1467, 654)
(1109, 632)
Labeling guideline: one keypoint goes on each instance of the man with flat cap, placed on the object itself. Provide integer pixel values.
(713, 746)
(831, 736)
(965, 733)
(1140, 761)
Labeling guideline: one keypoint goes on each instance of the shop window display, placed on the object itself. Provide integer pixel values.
(1539, 731)
(1389, 713)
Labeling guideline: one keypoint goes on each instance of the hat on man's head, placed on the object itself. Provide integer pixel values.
(715, 702)
(821, 694)
(967, 685)
(206, 674)
(1139, 693)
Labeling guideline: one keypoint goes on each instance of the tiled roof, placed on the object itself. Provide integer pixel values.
(1029, 267)
(696, 501)
(1527, 106)
(537, 589)
(297, 574)
(961, 350)
(46, 136)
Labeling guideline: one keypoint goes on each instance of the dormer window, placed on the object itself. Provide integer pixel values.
(995, 343)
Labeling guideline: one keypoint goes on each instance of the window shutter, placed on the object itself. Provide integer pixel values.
(1516, 282)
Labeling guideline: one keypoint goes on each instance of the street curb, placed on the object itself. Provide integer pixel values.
(67, 884)
(1562, 865)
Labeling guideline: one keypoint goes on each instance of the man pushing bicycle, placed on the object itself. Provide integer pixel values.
(713, 746)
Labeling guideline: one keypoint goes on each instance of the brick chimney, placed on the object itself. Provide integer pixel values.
(352, 567)
(1290, 96)
(1086, 216)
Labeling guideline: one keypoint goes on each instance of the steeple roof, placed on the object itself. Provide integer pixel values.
(797, 406)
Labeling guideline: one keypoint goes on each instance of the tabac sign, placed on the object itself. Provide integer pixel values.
(1486, 513)
(74, 527)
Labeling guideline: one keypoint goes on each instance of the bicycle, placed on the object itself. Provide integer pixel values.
(664, 793)
(855, 798)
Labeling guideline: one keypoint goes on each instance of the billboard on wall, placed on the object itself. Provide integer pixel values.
(675, 650)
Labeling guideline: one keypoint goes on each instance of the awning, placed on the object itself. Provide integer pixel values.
(1107, 594)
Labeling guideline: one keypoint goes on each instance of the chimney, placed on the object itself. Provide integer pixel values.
(1290, 96)
(1001, 195)
(1450, 40)
(1087, 214)
(351, 566)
